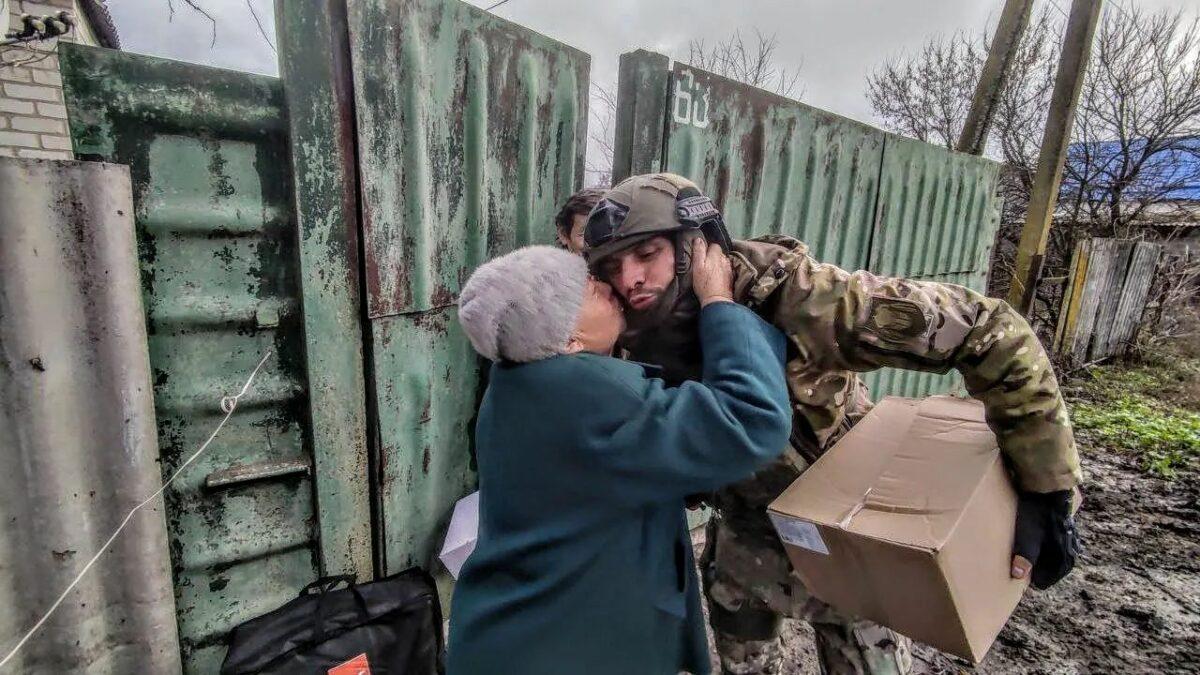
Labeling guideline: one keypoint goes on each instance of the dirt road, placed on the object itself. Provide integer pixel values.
(1133, 603)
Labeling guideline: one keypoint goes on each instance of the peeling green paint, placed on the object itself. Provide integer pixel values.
(471, 132)
(312, 40)
(212, 198)
(776, 165)
(428, 389)
(642, 82)
(860, 197)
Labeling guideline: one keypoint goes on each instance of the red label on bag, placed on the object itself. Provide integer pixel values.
(355, 666)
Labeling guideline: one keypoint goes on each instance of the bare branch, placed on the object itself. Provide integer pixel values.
(602, 111)
(1136, 125)
(195, 6)
(258, 22)
(204, 13)
(754, 64)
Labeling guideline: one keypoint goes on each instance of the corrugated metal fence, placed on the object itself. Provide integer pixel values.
(937, 216)
(207, 153)
(78, 443)
(469, 133)
(472, 133)
(860, 197)
(476, 131)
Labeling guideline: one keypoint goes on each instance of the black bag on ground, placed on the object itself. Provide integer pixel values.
(392, 626)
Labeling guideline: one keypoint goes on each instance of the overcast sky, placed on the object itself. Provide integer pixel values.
(834, 42)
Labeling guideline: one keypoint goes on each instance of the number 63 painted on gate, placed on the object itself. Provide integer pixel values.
(691, 101)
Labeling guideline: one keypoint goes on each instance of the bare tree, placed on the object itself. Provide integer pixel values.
(927, 95)
(1137, 122)
(1138, 117)
(1176, 286)
(755, 64)
(602, 114)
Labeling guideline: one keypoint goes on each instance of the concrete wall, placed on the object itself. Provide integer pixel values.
(78, 439)
(33, 120)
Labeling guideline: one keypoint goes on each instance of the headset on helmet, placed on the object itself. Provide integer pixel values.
(693, 211)
(698, 211)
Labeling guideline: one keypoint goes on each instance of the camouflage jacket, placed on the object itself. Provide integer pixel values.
(840, 323)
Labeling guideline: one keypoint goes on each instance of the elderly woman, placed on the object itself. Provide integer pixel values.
(584, 563)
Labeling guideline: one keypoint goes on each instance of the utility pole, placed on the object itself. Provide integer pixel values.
(1014, 19)
(1031, 251)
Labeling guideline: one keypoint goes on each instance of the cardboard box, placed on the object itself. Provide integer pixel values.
(908, 521)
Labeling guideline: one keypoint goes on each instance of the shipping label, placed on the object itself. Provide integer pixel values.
(799, 533)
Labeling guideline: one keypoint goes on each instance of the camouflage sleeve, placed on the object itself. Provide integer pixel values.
(863, 322)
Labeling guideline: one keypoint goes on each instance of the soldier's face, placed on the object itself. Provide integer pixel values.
(641, 274)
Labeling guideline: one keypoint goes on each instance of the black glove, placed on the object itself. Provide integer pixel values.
(1046, 535)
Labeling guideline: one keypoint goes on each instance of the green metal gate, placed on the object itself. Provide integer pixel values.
(937, 218)
(471, 134)
(426, 137)
(207, 151)
(860, 197)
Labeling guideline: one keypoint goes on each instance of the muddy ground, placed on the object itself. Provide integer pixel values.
(1132, 605)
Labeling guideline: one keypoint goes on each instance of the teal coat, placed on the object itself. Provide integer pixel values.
(584, 563)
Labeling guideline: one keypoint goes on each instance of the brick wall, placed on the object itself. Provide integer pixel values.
(33, 119)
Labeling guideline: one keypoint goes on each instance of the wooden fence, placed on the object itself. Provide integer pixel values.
(1105, 297)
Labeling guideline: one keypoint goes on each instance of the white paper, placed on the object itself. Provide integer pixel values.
(799, 533)
(462, 534)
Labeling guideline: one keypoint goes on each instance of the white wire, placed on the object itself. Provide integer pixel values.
(228, 405)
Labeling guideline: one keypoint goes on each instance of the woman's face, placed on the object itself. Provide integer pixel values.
(600, 320)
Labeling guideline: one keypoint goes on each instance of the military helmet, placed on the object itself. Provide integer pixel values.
(641, 207)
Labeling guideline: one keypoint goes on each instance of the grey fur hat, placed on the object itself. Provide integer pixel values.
(523, 306)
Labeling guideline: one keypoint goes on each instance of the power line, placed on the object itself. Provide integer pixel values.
(494, 6)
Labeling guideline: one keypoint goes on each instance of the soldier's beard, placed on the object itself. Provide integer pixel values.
(677, 303)
(652, 315)
(667, 334)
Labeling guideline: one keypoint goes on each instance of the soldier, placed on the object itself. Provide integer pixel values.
(838, 324)
(572, 218)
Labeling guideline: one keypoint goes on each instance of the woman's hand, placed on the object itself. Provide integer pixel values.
(712, 274)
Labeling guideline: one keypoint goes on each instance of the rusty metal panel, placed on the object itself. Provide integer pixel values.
(775, 165)
(937, 219)
(643, 81)
(471, 135)
(316, 78)
(78, 446)
(938, 214)
(217, 245)
(859, 197)
(427, 402)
